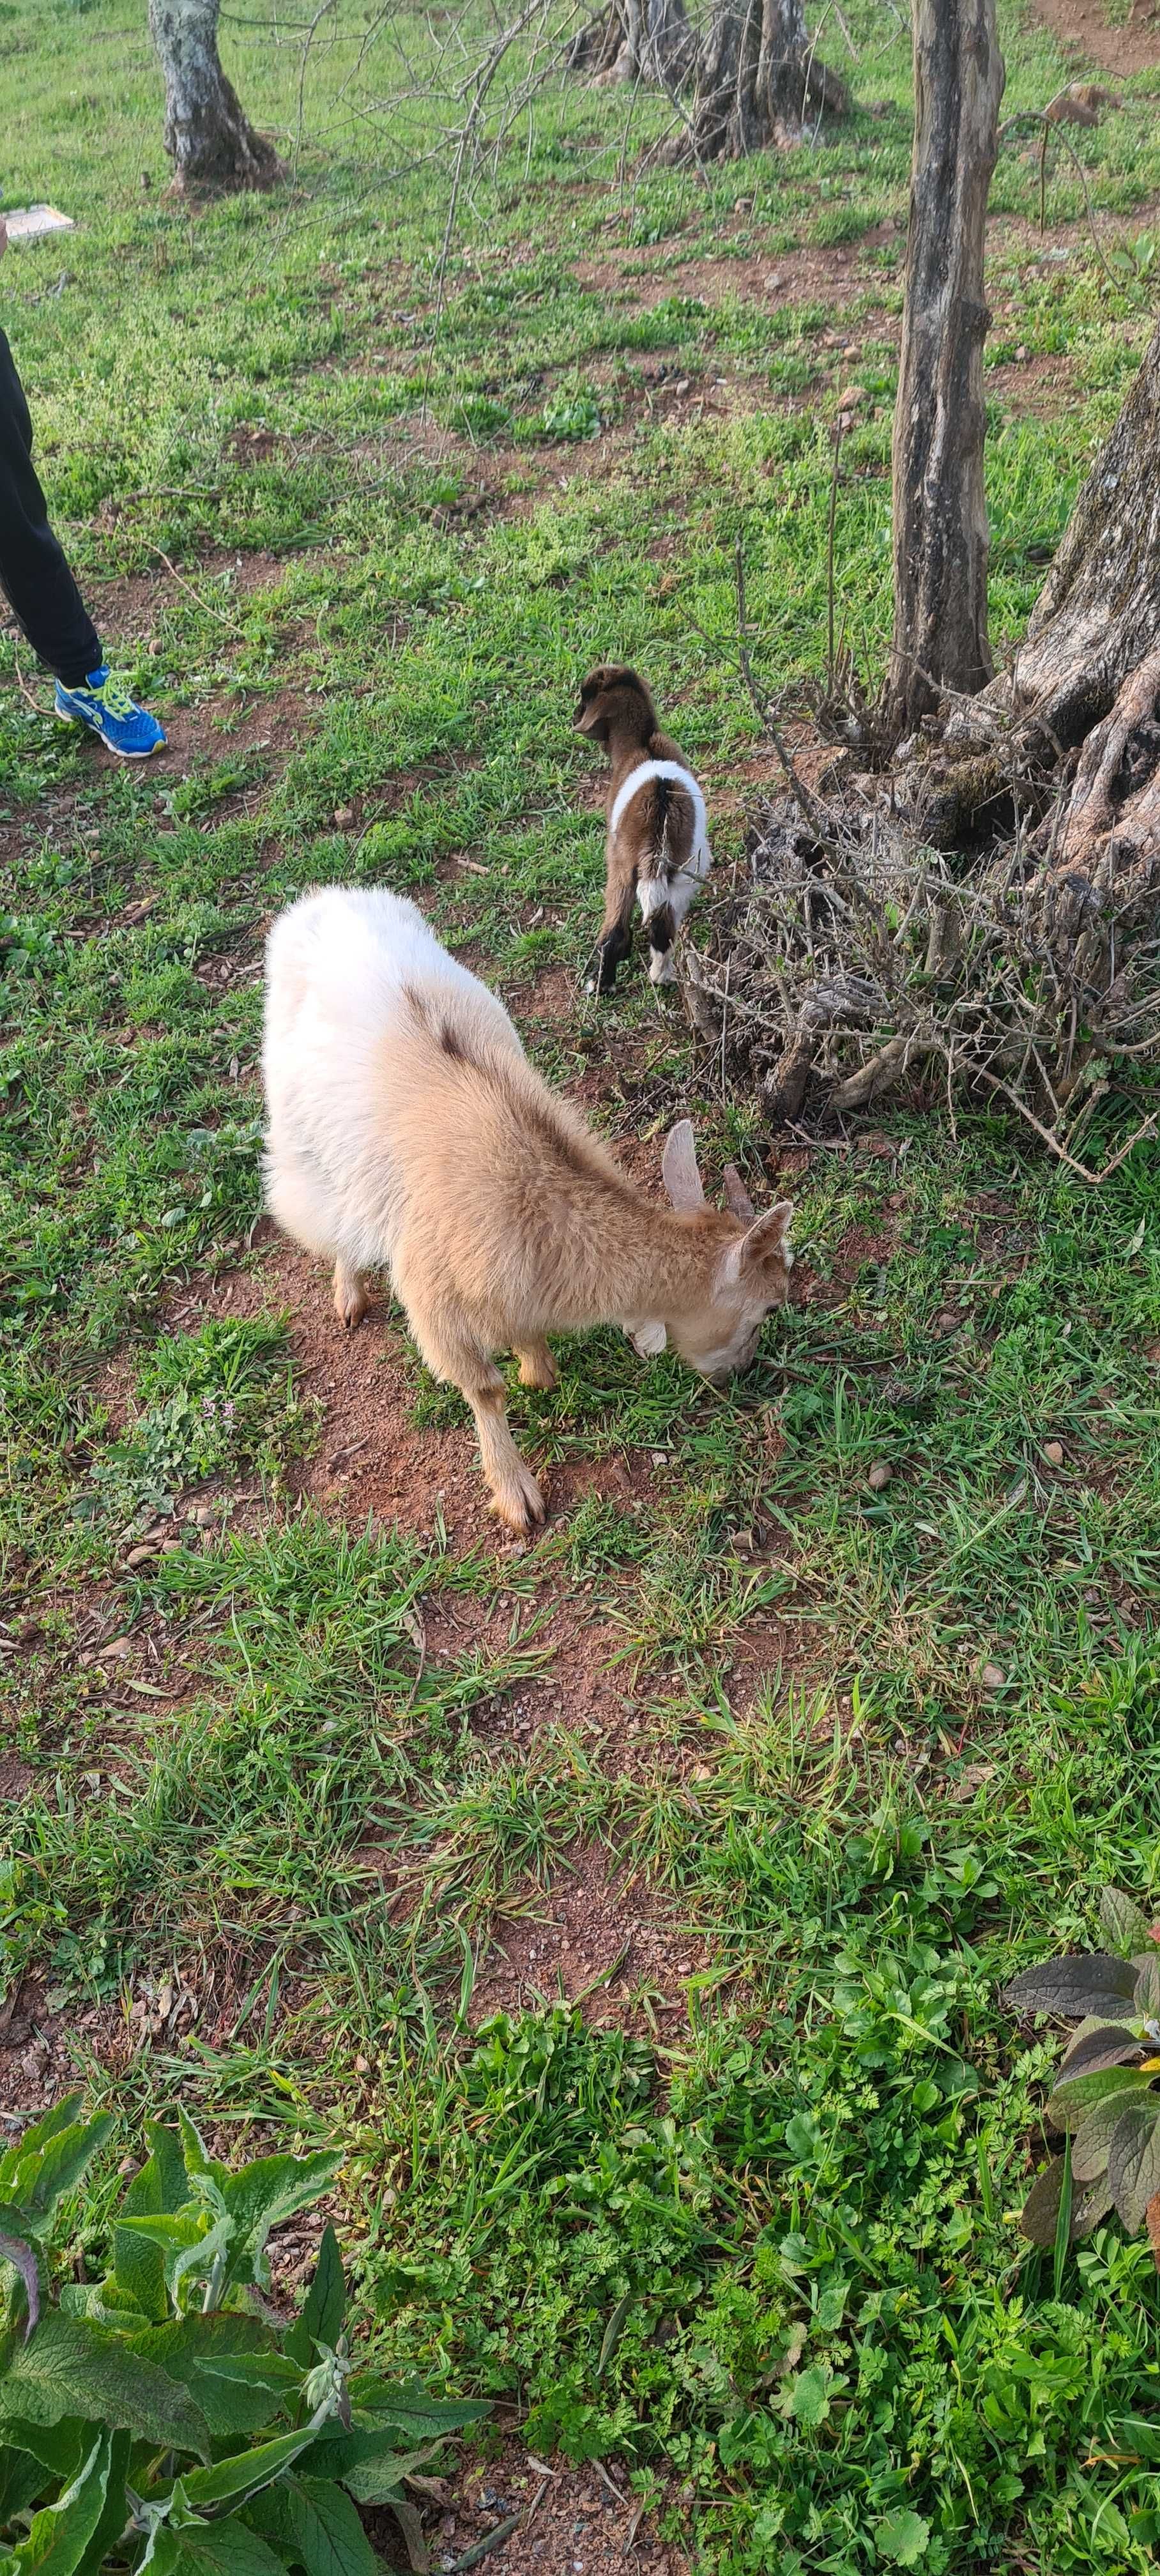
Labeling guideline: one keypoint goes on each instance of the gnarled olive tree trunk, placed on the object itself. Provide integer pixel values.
(207, 135)
(638, 40)
(1098, 614)
(759, 81)
(940, 519)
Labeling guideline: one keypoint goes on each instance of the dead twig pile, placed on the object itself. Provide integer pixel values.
(857, 957)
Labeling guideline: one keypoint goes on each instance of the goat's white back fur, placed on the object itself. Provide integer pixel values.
(680, 777)
(338, 965)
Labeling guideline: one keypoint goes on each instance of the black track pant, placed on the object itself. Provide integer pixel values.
(33, 571)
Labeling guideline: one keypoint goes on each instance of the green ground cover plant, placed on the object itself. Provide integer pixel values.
(742, 2219)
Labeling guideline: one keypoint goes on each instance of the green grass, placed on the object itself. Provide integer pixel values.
(761, 2249)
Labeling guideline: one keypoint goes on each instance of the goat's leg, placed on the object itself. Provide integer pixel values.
(661, 933)
(351, 1293)
(615, 938)
(515, 1496)
(537, 1366)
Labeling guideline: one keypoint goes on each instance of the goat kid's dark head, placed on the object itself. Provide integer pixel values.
(614, 699)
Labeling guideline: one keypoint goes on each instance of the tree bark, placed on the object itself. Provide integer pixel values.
(207, 135)
(759, 80)
(1098, 614)
(638, 40)
(941, 540)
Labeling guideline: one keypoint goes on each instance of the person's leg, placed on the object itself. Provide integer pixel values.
(48, 605)
(33, 570)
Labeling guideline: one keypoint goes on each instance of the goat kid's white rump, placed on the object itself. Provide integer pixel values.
(701, 857)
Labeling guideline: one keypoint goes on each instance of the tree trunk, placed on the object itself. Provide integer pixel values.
(638, 40)
(759, 80)
(939, 511)
(207, 136)
(1098, 614)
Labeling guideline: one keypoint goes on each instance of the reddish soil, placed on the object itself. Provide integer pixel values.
(1082, 27)
(572, 2522)
(596, 1936)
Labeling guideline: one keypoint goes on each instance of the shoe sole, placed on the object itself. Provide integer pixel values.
(103, 739)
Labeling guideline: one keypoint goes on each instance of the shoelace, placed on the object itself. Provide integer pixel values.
(114, 697)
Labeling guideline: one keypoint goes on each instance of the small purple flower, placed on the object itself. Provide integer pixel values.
(208, 1405)
(228, 1409)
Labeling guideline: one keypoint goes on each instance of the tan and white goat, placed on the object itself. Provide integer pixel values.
(408, 1132)
(657, 850)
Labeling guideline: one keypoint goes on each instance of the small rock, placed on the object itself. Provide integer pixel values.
(850, 399)
(1020, 357)
(992, 1677)
(1053, 1452)
(140, 1555)
(362, 2066)
(343, 814)
(947, 1322)
(172, 1547)
(879, 1476)
(773, 285)
(683, 386)
(119, 1648)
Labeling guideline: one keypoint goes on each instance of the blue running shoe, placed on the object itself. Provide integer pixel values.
(105, 706)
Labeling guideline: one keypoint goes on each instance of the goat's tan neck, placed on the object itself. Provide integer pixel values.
(626, 1256)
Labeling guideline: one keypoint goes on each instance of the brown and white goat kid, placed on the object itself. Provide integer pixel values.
(657, 849)
(407, 1131)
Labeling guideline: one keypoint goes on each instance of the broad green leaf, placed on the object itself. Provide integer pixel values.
(16, 2249)
(1148, 1985)
(324, 2305)
(161, 2185)
(1134, 2161)
(270, 2190)
(1110, 2044)
(60, 2117)
(115, 2509)
(190, 2348)
(161, 2182)
(1093, 2138)
(375, 2478)
(61, 2532)
(21, 2478)
(1096, 1983)
(70, 2367)
(60, 2448)
(1070, 2103)
(311, 2521)
(62, 2162)
(1040, 2216)
(231, 2481)
(199, 2164)
(223, 2548)
(1040, 2213)
(1122, 1921)
(902, 2538)
(811, 2397)
(403, 2405)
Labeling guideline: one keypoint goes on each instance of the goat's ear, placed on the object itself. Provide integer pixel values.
(737, 1196)
(679, 1171)
(761, 1258)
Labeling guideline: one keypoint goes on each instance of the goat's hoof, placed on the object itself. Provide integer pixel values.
(351, 1303)
(519, 1504)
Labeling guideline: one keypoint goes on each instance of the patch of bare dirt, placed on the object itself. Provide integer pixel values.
(568, 2521)
(598, 1937)
(1083, 28)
